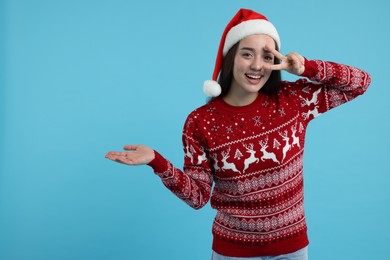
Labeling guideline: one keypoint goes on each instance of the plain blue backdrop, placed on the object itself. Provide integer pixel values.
(79, 78)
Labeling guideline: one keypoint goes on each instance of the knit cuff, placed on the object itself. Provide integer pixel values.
(158, 163)
(311, 69)
(160, 166)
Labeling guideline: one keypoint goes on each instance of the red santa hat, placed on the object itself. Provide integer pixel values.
(244, 23)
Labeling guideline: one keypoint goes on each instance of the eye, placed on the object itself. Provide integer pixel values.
(269, 58)
(246, 55)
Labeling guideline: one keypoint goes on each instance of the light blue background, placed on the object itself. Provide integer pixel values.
(80, 78)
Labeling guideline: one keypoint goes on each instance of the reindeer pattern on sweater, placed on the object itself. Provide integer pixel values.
(254, 157)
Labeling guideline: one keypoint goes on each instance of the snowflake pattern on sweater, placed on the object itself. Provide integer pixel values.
(254, 156)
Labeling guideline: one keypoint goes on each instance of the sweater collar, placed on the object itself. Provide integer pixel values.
(219, 102)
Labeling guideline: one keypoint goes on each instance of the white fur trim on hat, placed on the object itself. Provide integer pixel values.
(211, 88)
(244, 29)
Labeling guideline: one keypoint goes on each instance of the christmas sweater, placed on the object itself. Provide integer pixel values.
(254, 157)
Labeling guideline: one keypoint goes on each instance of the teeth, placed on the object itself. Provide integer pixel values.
(253, 76)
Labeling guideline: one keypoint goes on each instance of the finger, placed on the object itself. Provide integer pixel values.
(296, 58)
(275, 53)
(275, 66)
(118, 153)
(119, 158)
(112, 157)
(130, 147)
(123, 158)
(300, 58)
(292, 57)
(115, 155)
(126, 160)
(293, 61)
(296, 63)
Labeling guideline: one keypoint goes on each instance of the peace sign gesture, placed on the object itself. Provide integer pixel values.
(292, 62)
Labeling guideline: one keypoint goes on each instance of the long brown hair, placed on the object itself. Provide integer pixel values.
(226, 75)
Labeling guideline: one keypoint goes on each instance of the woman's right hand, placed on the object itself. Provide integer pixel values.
(135, 155)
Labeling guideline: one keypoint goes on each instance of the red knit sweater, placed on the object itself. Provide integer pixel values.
(254, 156)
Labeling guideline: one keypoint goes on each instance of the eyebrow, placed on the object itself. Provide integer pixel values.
(247, 49)
(253, 49)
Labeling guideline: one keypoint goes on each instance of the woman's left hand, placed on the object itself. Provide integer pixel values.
(292, 62)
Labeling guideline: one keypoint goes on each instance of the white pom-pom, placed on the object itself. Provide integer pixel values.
(211, 88)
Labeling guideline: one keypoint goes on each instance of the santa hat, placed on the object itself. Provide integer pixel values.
(243, 24)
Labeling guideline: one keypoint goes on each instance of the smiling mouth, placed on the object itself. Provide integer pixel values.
(253, 76)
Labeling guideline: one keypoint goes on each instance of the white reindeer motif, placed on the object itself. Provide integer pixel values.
(215, 159)
(313, 100)
(227, 165)
(252, 158)
(295, 138)
(267, 155)
(313, 112)
(202, 157)
(188, 153)
(287, 146)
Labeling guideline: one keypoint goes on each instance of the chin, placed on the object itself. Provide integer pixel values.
(255, 89)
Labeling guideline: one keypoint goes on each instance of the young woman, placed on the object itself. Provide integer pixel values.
(249, 141)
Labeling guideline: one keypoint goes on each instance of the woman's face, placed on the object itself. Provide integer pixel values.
(249, 75)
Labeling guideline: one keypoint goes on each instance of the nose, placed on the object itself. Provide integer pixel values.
(256, 65)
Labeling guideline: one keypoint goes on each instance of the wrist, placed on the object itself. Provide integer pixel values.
(309, 70)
